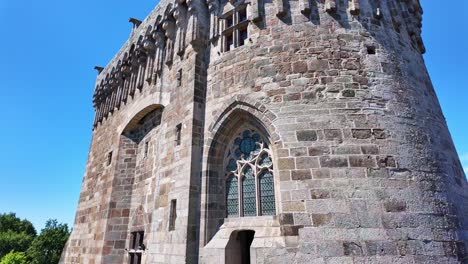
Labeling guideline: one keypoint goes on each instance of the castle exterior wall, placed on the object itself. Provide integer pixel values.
(365, 170)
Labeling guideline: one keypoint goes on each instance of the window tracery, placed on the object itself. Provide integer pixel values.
(249, 176)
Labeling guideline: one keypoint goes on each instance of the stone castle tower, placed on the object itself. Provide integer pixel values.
(283, 131)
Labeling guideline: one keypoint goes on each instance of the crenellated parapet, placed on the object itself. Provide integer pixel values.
(174, 25)
(153, 45)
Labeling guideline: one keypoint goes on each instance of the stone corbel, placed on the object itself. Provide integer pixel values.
(305, 6)
(420, 43)
(142, 63)
(195, 37)
(96, 95)
(99, 114)
(135, 66)
(159, 41)
(119, 77)
(150, 49)
(114, 85)
(254, 15)
(169, 27)
(106, 101)
(330, 6)
(180, 15)
(99, 101)
(101, 108)
(281, 10)
(354, 7)
(126, 70)
(213, 6)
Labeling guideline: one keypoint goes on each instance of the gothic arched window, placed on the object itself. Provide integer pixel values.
(249, 176)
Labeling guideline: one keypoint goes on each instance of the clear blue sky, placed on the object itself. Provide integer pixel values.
(49, 48)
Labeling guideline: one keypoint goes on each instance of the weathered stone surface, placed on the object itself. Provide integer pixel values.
(364, 169)
(306, 135)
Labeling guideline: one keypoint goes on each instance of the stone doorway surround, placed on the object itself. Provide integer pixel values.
(267, 237)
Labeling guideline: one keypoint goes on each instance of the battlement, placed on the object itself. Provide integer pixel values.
(176, 24)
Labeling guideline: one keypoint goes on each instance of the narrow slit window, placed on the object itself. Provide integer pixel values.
(172, 215)
(178, 134)
(179, 77)
(146, 149)
(109, 158)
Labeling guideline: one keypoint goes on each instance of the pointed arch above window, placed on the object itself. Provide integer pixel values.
(249, 176)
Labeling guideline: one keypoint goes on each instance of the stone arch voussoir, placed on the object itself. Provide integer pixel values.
(241, 103)
(136, 113)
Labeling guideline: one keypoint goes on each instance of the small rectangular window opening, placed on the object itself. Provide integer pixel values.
(229, 42)
(109, 158)
(235, 31)
(178, 134)
(146, 149)
(172, 215)
(371, 50)
(242, 15)
(179, 77)
(242, 36)
(229, 22)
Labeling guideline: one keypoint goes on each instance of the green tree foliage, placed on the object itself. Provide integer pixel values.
(15, 234)
(47, 247)
(10, 241)
(14, 258)
(13, 223)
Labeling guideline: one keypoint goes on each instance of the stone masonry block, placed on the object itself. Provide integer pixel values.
(362, 133)
(299, 175)
(307, 162)
(306, 135)
(362, 161)
(333, 161)
(319, 151)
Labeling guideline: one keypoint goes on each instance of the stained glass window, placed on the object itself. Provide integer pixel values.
(249, 176)
(267, 193)
(249, 200)
(232, 196)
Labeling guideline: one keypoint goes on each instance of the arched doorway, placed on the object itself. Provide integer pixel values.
(238, 247)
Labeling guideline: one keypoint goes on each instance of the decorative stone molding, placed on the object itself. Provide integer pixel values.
(180, 16)
(178, 23)
(213, 6)
(170, 31)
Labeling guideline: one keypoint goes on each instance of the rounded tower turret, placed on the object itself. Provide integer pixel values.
(365, 169)
(282, 131)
